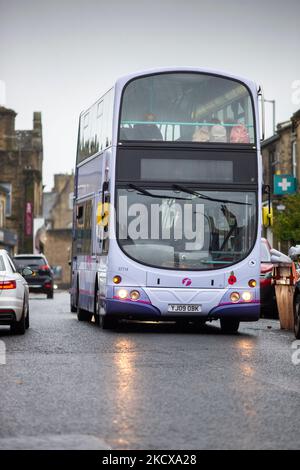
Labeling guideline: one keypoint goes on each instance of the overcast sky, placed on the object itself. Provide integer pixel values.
(58, 56)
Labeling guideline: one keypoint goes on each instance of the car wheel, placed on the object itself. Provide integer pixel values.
(27, 319)
(50, 295)
(297, 317)
(106, 322)
(19, 327)
(229, 325)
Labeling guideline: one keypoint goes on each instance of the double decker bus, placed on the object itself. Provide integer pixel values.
(167, 204)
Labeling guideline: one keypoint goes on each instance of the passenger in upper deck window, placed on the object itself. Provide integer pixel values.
(147, 131)
(239, 135)
(201, 134)
(217, 132)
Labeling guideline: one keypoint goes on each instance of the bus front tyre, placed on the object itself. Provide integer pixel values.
(73, 308)
(229, 325)
(83, 315)
(107, 323)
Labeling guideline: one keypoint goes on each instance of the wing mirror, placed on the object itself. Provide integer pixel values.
(278, 257)
(27, 272)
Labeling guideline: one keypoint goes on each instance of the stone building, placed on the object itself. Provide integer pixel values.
(281, 166)
(58, 215)
(21, 157)
(8, 238)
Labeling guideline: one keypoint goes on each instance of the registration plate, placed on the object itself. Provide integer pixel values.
(184, 308)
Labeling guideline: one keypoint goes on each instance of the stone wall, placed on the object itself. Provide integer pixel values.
(21, 159)
(58, 253)
(62, 211)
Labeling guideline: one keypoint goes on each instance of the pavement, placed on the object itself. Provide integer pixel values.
(69, 385)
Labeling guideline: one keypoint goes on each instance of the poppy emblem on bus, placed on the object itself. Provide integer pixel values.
(232, 279)
(186, 281)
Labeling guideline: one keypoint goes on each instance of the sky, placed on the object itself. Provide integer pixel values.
(59, 56)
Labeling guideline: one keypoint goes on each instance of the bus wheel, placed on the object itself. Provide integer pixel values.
(73, 307)
(297, 317)
(229, 325)
(107, 323)
(83, 315)
(96, 307)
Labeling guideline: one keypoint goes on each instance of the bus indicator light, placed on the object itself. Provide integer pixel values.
(117, 279)
(252, 283)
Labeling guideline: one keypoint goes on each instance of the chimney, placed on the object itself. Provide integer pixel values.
(37, 121)
(2, 93)
(7, 129)
(60, 181)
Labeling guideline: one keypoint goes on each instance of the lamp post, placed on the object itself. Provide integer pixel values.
(274, 116)
(280, 208)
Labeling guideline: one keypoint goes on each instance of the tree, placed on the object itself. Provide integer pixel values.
(287, 223)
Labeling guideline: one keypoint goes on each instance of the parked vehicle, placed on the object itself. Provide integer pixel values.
(14, 295)
(267, 289)
(41, 281)
(294, 253)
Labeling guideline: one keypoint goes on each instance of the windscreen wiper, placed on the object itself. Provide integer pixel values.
(145, 192)
(203, 196)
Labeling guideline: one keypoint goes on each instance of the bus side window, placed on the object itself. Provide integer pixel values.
(105, 200)
(79, 213)
(79, 229)
(83, 228)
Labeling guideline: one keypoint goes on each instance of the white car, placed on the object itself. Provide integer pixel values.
(14, 296)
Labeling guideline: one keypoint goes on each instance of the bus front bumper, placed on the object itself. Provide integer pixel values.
(143, 311)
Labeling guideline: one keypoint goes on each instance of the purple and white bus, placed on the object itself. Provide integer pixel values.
(167, 205)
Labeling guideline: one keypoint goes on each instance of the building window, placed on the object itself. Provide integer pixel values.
(8, 186)
(2, 212)
(71, 198)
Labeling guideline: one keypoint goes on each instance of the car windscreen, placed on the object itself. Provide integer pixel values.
(31, 262)
(265, 253)
(2, 264)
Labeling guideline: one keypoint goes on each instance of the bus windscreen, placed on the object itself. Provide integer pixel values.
(187, 107)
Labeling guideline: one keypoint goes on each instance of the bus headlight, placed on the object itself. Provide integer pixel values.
(246, 296)
(122, 293)
(235, 297)
(134, 295)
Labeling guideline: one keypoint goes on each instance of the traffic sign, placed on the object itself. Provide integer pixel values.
(284, 184)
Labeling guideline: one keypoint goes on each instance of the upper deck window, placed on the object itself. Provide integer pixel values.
(189, 107)
(95, 128)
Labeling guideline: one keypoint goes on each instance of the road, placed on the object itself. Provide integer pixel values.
(67, 384)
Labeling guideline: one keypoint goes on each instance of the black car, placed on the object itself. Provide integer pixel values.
(42, 278)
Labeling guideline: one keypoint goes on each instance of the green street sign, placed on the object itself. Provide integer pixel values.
(284, 184)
